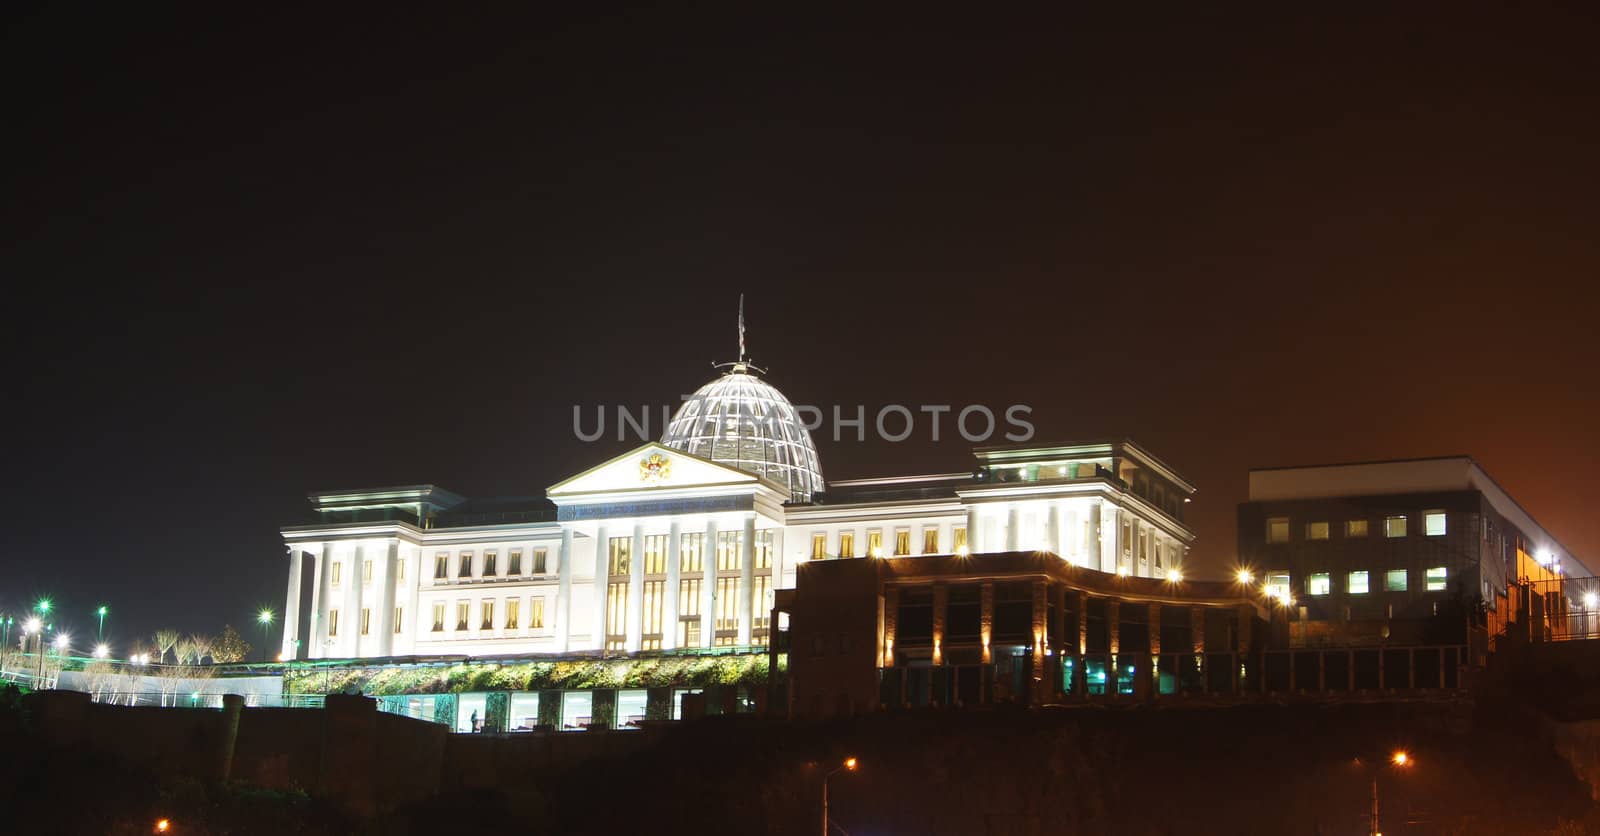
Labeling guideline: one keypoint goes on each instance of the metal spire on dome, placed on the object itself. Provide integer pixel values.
(743, 364)
(741, 327)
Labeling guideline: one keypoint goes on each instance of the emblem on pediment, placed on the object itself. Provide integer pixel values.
(655, 468)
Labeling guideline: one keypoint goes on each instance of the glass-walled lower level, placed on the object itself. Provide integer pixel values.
(572, 710)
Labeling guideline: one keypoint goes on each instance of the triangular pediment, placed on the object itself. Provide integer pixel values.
(651, 466)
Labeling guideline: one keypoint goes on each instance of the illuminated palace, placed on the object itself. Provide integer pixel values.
(676, 548)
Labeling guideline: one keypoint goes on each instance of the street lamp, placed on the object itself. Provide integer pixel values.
(43, 606)
(849, 764)
(101, 636)
(101, 651)
(1245, 577)
(264, 618)
(1400, 759)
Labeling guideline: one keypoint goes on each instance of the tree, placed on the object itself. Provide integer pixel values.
(201, 644)
(165, 641)
(230, 647)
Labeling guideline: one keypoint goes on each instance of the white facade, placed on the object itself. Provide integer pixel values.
(661, 550)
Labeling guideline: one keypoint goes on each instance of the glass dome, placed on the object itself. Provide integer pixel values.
(741, 420)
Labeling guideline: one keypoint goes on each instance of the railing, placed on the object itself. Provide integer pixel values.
(1559, 609)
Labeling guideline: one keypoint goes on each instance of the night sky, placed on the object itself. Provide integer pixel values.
(253, 257)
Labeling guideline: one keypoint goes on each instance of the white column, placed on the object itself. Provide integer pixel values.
(350, 618)
(563, 624)
(291, 605)
(1052, 528)
(669, 604)
(974, 545)
(1110, 548)
(602, 558)
(747, 581)
(708, 590)
(636, 590)
(419, 621)
(322, 603)
(1013, 528)
(384, 574)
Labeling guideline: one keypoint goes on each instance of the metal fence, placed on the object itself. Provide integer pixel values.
(1560, 609)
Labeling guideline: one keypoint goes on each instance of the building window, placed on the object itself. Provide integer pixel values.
(366, 621)
(655, 554)
(1394, 526)
(1357, 582)
(621, 555)
(397, 620)
(1317, 583)
(441, 566)
(541, 559)
(464, 568)
(536, 613)
(512, 606)
(1278, 585)
(1394, 580)
(728, 545)
(514, 563)
(335, 572)
(902, 542)
(616, 616)
(689, 612)
(727, 623)
(958, 537)
(366, 571)
(399, 570)
(930, 539)
(847, 544)
(1278, 530)
(1433, 523)
(761, 609)
(438, 618)
(692, 553)
(463, 610)
(1355, 528)
(819, 546)
(333, 622)
(875, 543)
(487, 612)
(1316, 531)
(1436, 579)
(1127, 537)
(650, 624)
(763, 555)
(488, 564)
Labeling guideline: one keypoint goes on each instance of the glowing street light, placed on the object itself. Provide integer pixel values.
(1590, 599)
(43, 606)
(101, 613)
(1174, 576)
(849, 764)
(101, 651)
(1401, 759)
(1245, 577)
(163, 826)
(63, 641)
(264, 618)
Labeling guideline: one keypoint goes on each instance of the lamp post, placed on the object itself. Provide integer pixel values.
(6, 627)
(1401, 760)
(101, 635)
(264, 618)
(849, 764)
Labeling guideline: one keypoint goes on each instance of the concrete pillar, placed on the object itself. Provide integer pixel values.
(317, 631)
(972, 531)
(291, 606)
(708, 587)
(563, 622)
(1110, 537)
(350, 619)
(384, 645)
(941, 608)
(1041, 612)
(1080, 630)
(408, 639)
(1155, 628)
(1052, 528)
(1013, 529)
(747, 565)
(669, 603)
(891, 621)
(602, 562)
(986, 619)
(1197, 640)
(635, 621)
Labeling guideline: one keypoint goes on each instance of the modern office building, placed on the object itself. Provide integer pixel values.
(1417, 551)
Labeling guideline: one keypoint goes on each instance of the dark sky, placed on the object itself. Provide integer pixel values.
(252, 257)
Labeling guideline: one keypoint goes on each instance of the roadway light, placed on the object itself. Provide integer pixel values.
(32, 625)
(63, 641)
(43, 606)
(163, 826)
(1174, 576)
(1246, 577)
(101, 651)
(1401, 759)
(264, 617)
(850, 763)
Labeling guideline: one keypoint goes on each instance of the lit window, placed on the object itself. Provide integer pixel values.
(541, 561)
(438, 618)
(689, 612)
(1317, 583)
(763, 550)
(819, 546)
(1355, 528)
(463, 610)
(488, 564)
(487, 611)
(400, 570)
(333, 622)
(1358, 582)
(930, 539)
(441, 566)
(958, 536)
(397, 613)
(875, 543)
(366, 571)
(1433, 523)
(1278, 530)
(1394, 580)
(366, 621)
(1394, 526)
(1436, 578)
(621, 550)
(335, 572)
(536, 613)
(729, 544)
(1316, 531)
(650, 620)
(512, 605)
(514, 563)
(691, 553)
(1278, 585)
(902, 542)
(464, 568)
(847, 544)
(655, 554)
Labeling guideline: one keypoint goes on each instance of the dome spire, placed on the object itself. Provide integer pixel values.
(743, 364)
(741, 327)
